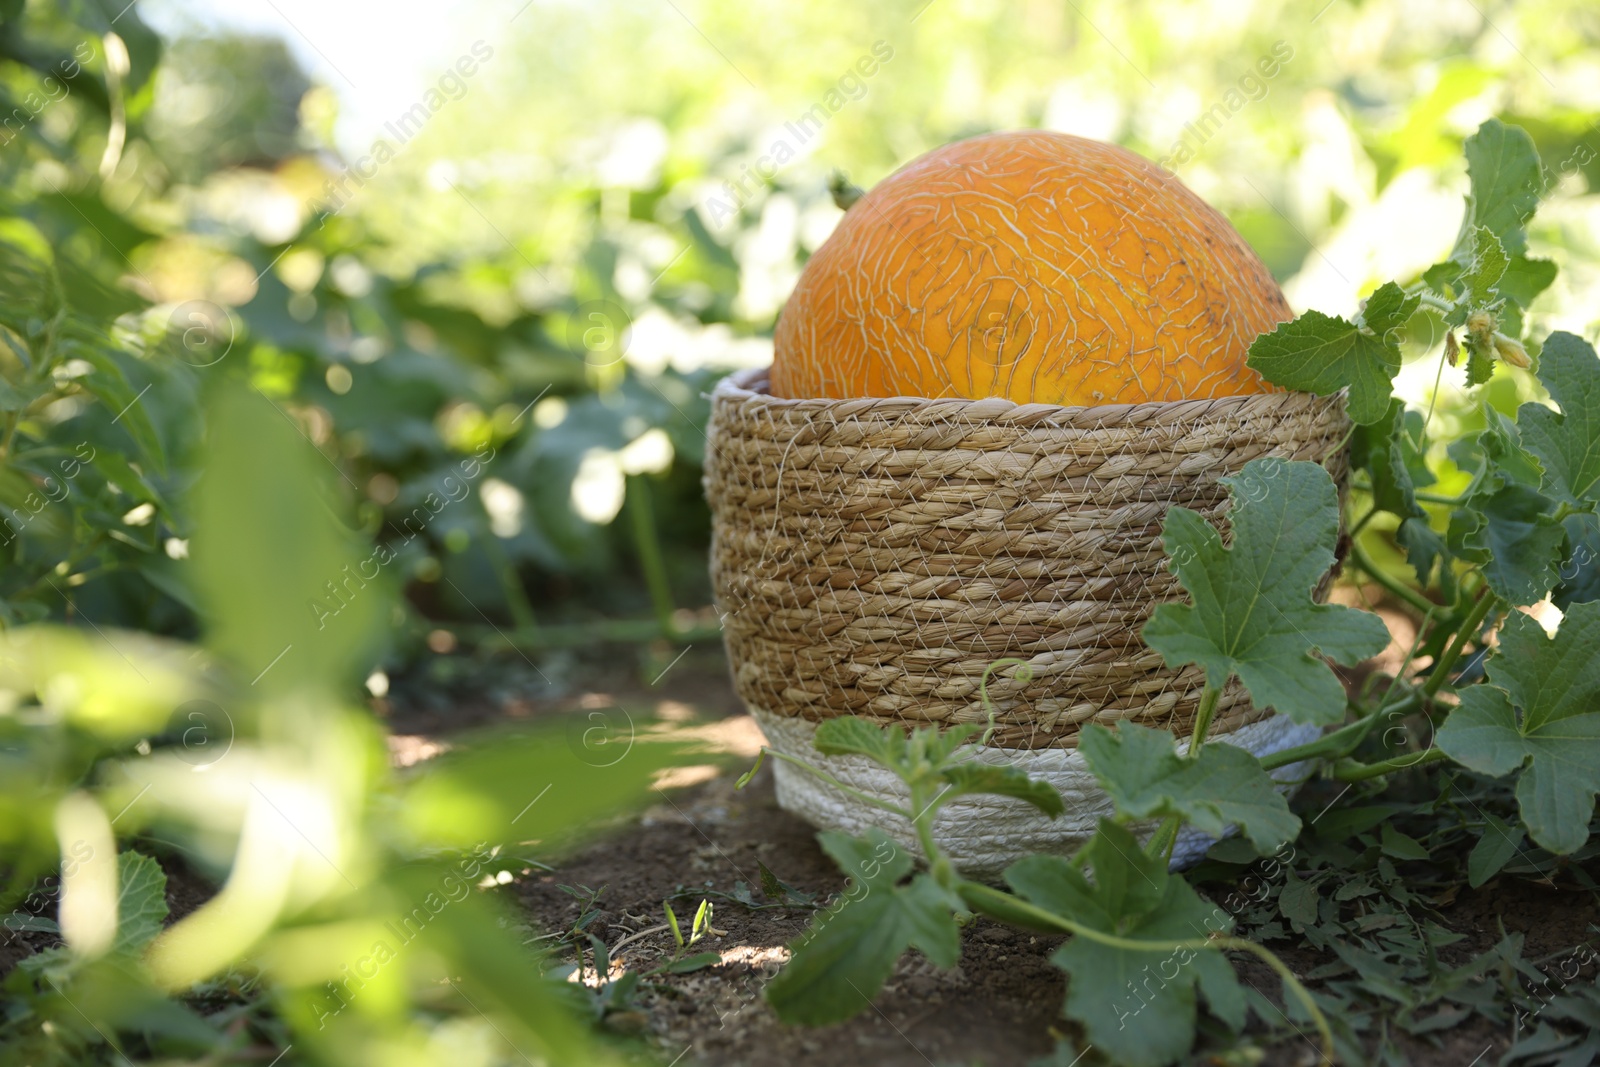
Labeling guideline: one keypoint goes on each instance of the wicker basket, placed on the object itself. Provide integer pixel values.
(875, 557)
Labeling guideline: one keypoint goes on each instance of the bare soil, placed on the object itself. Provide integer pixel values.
(1000, 1006)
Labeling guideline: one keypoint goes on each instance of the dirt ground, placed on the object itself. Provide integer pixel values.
(1000, 1006)
(997, 1007)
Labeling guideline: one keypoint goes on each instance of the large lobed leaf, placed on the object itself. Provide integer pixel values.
(1252, 612)
(843, 960)
(1322, 354)
(1567, 445)
(1137, 1005)
(1507, 181)
(1220, 787)
(930, 752)
(1503, 522)
(1539, 713)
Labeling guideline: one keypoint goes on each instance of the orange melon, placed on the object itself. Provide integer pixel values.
(1035, 266)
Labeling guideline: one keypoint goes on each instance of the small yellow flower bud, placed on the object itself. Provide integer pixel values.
(1512, 352)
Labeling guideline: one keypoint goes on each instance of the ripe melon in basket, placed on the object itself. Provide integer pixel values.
(1035, 266)
(992, 381)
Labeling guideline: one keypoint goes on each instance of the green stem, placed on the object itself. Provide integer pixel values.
(1564, 509)
(1421, 494)
(1202, 718)
(845, 789)
(10, 432)
(1438, 303)
(1361, 524)
(1404, 592)
(516, 596)
(1165, 839)
(1024, 674)
(1341, 741)
(939, 865)
(647, 543)
(1351, 771)
(1009, 909)
(1469, 630)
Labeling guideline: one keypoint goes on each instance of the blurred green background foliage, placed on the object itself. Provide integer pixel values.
(436, 361)
(583, 216)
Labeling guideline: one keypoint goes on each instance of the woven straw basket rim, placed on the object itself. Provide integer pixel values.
(876, 556)
(753, 384)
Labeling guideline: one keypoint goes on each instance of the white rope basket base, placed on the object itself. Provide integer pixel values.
(985, 834)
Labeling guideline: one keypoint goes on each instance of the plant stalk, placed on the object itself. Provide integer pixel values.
(1341, 741)
(647, 544)
(1468, 631)
(1165, 838)
(1202, 718)
(1351, 771)
(1395, 588)
(1010, 909)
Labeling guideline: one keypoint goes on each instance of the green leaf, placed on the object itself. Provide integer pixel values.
(1504, 522)
(849, 735)
(1480, 364)
(1503, 533)
(1388, 308)
(1400, 846)
(1057, 886)
(1493, 851)
(1580, 568)
(141, 901)
(1391, 451)
(1320, 353)
(1252, 613)
(843, 960)
(1524, 279)
(287, 588)
(110, 383)
(1424, 546)
(771, 887)
(493, 972)
(1538, 713)
(1298, 900)
(1221, 987)
(1507, 181)
(672, 924)
(547, 782)
(938, 746)
(1006, 782)
(1137, 1005)
(1485, 269)
(1224, 786)
(1567, 444)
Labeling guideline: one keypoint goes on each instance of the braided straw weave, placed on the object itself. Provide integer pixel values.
(876, 556)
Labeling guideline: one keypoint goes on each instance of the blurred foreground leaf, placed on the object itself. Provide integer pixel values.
(286, 597)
